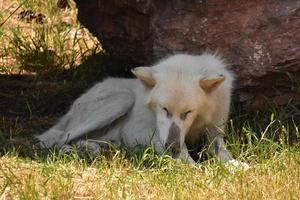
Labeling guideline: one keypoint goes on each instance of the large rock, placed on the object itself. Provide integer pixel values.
(260, 38)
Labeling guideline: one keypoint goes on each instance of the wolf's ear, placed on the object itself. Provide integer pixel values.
(145, 75)
(209, 85)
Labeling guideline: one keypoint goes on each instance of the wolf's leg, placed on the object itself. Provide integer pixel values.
(88, 114)
(218, 148)
(111, 106)
(55, 134)
(184, 155)
(217, 145)
(50, 138)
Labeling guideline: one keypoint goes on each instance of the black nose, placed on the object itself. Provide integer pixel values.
(174, 148)
(173, 140)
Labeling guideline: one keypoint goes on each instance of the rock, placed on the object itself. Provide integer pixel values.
(260, 38)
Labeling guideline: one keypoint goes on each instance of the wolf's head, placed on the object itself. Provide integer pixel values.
(179, 97)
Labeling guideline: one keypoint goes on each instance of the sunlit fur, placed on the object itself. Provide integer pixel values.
(136, 109)
(177, 89)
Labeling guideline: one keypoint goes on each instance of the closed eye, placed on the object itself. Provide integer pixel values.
(167, 112)
(184, 115)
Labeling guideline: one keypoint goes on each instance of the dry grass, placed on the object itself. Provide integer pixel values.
(71, 178)
(141, 174)
(33, 45)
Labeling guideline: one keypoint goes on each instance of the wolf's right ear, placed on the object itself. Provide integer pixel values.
(145, 75)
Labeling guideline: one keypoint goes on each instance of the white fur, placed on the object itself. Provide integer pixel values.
(125, 112)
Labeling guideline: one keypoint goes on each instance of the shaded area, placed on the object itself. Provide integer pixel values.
(30, 104)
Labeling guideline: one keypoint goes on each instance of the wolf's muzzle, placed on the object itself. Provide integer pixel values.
(173, 140)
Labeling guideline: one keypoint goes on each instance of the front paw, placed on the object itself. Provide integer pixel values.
(233, 165)
(40, 142)
(92, 147)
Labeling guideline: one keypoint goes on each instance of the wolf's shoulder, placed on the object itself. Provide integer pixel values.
(119, 81)
(113, 84)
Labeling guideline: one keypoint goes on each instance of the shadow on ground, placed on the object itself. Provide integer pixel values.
(30, 104)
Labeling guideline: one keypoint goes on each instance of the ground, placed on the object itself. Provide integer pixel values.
(34, 94)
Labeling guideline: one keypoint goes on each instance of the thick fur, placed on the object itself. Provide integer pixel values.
(171, 103)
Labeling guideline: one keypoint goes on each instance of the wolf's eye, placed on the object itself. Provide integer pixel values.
(185, 114)
(167, 112)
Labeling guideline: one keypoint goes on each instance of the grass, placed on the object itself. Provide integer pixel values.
(267, 140)
(69, 177)
(45, 39)
(116, 173)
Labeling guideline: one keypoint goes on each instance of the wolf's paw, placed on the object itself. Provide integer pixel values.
(40, 142)
(50, 138)
(35, 141)
(182, 158)
(91, 147)
(44, 143)
(67, 149)
(233, 165)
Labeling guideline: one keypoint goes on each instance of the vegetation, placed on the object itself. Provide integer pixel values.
(141, 174)
(53, 57)
(40, 37)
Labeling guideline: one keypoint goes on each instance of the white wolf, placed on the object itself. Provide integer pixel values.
(170, 104)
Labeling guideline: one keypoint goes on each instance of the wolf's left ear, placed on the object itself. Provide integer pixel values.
(145, 75)
(209, 85)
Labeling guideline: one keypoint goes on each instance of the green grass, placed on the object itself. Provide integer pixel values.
(121, 177)
(56, 43)
(263, 141)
